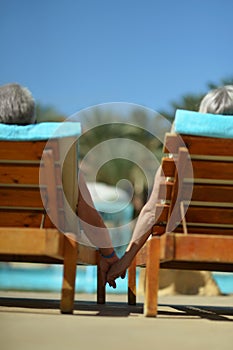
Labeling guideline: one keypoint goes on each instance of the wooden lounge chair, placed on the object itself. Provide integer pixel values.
(31, 193)
(194, 229)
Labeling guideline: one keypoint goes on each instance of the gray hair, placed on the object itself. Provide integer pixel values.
(218, 101)
(17, 106)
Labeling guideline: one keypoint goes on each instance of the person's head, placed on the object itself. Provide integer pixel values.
(218, 101)
(17, 106)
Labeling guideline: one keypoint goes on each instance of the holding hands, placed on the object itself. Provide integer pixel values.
(109, 265)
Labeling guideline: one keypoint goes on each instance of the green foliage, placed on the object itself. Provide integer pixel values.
(48, 114)
(117, 168)
(192, 101)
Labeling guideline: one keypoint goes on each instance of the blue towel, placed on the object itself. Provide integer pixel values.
(195, 123)
(40, 131)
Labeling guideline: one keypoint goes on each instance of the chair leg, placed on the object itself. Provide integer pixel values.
(69, 274)
(152, 277)
(101, 294)
(132, 283)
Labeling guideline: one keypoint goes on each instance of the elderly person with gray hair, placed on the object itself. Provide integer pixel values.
(217, 101)
(17, 105)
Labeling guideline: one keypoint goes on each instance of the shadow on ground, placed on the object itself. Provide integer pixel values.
(122, 309)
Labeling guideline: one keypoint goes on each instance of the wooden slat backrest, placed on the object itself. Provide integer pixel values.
(198, 145)
(21, 204)
(26, 150)
(211, 205)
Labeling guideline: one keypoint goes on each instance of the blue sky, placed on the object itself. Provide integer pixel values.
(73, 54)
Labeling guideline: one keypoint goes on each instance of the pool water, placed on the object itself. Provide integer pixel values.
(36, 277)
(49, 278)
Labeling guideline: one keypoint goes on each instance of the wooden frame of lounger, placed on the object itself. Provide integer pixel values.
(27, 234)
(203, 239)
